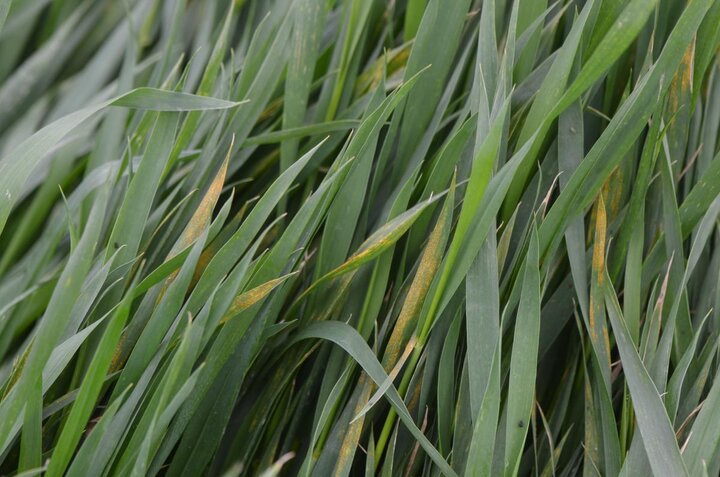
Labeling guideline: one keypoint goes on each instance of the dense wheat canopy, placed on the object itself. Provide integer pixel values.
(360, 237)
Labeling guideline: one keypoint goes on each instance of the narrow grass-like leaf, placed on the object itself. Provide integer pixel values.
(521, 387)
(347, 338)
(653, 422)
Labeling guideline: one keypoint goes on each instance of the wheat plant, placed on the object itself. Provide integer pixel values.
(360, 237)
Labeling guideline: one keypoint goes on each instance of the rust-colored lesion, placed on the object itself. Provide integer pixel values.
(399, 342)
(682, 82)
(427, 269)
(195, 227)
(395, 59)
(200, 219)
(613, 194)
(245, 300)
(598, 270)
(203, 214)
(352, 435)
(598, 259)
